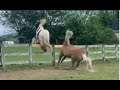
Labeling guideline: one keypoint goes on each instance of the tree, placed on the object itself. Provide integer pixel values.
(77, 21)
(89, 27)
(107, 17)
(100, 32)
(24, 22)
(56, 25)
(8, 38)
(93, 27)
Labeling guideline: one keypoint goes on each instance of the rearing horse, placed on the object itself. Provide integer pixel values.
(42, 37)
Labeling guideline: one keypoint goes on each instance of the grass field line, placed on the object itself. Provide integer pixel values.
(39, 61)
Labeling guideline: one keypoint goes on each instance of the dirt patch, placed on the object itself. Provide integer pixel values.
(29, 74)
(103, 71)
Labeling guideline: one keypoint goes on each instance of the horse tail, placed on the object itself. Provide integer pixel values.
(88, 62)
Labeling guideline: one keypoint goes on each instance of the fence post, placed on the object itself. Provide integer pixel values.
(116, 47)
(53, 55)
(30, 54)
(0, 55)
(3, 56)
(87, 50)
(103, 52)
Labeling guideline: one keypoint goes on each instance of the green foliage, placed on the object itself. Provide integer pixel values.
(109, 37)
(89, 27)
(8, 38)
(96, 30)
(23, 22)
(107, 18)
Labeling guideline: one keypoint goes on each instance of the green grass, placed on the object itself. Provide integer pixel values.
(16, 58)
(16, 49)
(24, 58)
(108, 70)
(45, 57)
(104, 71)
(25, 50)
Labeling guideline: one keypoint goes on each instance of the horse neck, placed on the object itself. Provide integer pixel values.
(39, 27)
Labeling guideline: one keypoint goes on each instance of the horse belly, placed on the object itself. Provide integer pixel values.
(44, 35)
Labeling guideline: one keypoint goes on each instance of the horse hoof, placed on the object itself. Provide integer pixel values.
(91, 70)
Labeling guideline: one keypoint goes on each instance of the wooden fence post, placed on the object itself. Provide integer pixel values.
(30, 54)
(87, 50)
(0, 55)
(3, 56)
(103, 52)
(53, 55)
(116, 47)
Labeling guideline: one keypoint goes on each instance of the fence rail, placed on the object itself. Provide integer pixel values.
(101, 49)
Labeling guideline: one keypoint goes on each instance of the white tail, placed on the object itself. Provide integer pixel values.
(88, 62)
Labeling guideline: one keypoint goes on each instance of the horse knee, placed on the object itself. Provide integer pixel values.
(44, 48)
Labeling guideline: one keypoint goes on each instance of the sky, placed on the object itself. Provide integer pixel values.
(5, 30)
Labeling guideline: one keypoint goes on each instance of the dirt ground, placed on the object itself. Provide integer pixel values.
(103, 71)
(29, 74)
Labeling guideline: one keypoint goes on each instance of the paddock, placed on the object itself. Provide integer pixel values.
(25, 61)
(107, 70)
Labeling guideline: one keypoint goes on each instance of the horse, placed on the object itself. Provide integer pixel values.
(42, 36)
(76, 54)
(43, 40)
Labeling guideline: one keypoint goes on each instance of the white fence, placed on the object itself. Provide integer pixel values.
(97, 50)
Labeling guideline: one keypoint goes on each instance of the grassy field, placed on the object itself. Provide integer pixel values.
(44, 57)
(108, 70)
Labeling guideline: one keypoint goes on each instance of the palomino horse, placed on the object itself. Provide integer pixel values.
(42, 37)
(76, 54)
(43, 40)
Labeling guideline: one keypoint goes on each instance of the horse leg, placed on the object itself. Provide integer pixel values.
(48, 47)
(73, 64)
(60, 57)
(44, 48)
(61, 60)
(78, 63)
